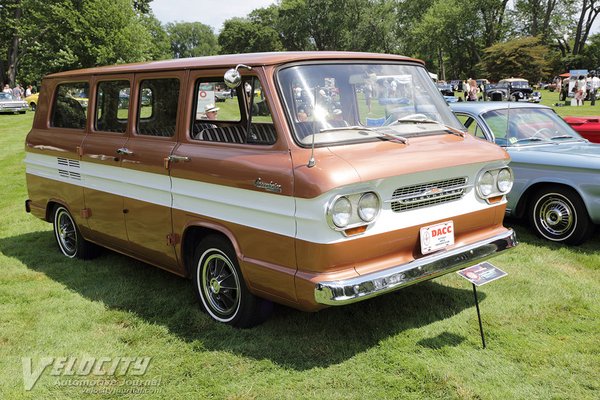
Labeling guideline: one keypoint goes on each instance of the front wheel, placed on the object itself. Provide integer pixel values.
(69, 239)
(558, 214)
(220, 286)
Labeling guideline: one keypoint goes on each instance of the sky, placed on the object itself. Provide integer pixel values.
(210, 12)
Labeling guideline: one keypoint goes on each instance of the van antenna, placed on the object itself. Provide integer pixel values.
(311, 160)
(507, 121)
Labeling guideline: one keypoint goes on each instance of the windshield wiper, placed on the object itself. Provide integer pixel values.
(562, 137)
(400, 139)
(531, 139)
(449, 129)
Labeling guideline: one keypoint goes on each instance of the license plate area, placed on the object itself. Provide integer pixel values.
(436, 237)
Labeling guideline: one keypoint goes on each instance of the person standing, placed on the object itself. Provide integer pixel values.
(17, 92)
(580, 90)
(473, 90)
(593, 83)
(368, 91)
(28, 91)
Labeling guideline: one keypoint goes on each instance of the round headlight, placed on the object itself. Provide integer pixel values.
(486, 184)
(341, 212)
(505, 180)
(368, 206)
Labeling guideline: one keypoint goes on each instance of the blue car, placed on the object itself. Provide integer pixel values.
(556, 171)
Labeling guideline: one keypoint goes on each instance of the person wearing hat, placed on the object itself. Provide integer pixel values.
(211, 111)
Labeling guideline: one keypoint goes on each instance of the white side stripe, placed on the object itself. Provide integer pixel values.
(304, 219)
(264, 211)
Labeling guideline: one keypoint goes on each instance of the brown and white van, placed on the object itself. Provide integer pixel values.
(322, 178)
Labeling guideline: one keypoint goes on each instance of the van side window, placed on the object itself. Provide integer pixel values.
(112, 106)
(157, 107)
(70, 106)
(219, 110)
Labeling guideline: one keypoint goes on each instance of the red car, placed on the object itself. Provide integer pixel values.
(588, 127)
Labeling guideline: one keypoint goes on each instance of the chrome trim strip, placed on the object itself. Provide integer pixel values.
(363, 287)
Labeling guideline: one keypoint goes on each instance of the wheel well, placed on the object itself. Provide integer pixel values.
(191, 237)
(524, 200)
(50, 210)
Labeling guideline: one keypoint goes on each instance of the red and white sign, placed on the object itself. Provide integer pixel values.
(437, 237)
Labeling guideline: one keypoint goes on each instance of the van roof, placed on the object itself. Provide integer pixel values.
(231, 60)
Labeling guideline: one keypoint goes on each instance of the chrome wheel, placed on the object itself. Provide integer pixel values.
(556, 214)
(65, 232)
(220, 285)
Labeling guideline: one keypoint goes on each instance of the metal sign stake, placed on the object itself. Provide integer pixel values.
(478, 315)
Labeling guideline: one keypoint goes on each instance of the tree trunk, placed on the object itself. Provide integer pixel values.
(442, 70)
(13, 49)
(589, 12)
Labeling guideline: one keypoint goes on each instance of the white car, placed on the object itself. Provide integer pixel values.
(9, 104)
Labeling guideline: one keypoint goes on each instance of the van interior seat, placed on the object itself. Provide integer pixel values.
(260, 133)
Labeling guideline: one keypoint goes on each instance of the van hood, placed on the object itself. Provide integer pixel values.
(353, 163)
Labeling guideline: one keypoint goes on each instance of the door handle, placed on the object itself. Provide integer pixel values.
(124, 151)
(173, 158)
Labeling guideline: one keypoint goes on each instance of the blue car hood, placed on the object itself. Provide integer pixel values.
(568, 154)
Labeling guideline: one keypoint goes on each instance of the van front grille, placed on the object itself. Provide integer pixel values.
(428, 194)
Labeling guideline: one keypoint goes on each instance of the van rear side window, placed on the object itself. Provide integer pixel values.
(112, 106)
(70, 106)
(157, 110)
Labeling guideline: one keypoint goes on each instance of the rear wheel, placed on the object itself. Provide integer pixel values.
(32, 106)
(558, 214)
(221, 288)
(69, 239)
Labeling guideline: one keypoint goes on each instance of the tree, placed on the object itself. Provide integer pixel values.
(524, 57)
(240, 35)
(191, 39)
(68, 34)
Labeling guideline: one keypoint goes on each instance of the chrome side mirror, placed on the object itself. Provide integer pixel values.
(233, 78)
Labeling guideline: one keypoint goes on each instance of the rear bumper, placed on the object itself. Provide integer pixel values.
(348, 291)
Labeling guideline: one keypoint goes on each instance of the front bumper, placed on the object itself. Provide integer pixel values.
(334, 293)
(13, 109)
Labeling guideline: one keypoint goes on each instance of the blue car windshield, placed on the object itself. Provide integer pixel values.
(527, 126)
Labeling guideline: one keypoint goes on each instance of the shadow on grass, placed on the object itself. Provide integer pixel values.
(289, 338)
(525, 234)
(444, 339)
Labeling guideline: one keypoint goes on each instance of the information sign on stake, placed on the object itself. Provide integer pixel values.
(478, 275)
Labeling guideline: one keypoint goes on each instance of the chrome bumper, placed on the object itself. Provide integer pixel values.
(363, 287)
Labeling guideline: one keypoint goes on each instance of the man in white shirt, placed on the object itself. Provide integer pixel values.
(593, 83)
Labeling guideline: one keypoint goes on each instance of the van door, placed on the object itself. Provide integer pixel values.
(237, 182)
(101, 158)
(147, 199)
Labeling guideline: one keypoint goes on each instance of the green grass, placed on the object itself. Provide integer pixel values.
(542, 324)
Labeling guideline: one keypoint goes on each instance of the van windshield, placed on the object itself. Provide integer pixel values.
(330, 102)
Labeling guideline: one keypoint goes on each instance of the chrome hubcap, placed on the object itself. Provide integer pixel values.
(556, 215)
(215, 286)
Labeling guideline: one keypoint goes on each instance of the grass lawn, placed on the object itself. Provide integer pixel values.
(542, 324)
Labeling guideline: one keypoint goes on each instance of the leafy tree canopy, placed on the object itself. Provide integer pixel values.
(518, 58)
